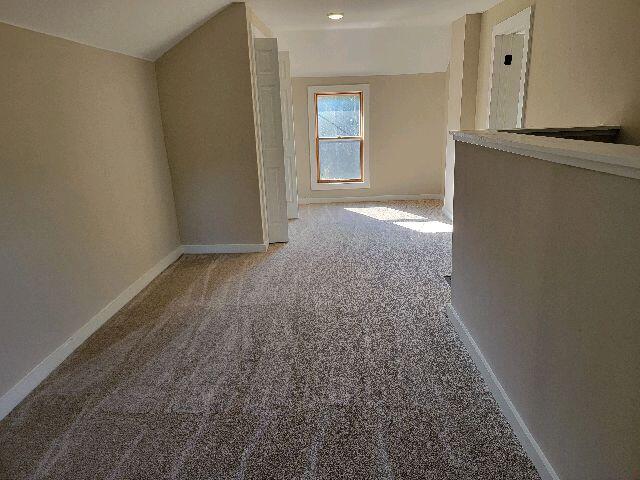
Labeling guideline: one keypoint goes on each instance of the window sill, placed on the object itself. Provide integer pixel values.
(340, 186)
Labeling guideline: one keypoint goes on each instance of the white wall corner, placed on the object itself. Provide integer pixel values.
(528, 442)
(20, 390)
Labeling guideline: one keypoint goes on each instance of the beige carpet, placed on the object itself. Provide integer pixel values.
(327, 358)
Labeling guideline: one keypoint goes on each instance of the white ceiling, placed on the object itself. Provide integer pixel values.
(285, 15)
(140, 28)
(375, 37)
(371, 30)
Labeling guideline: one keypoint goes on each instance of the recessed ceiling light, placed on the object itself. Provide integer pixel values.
(335, 15)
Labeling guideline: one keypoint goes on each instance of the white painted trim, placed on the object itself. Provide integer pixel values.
(31, 380)
(257, 134)
(364, 88)
(447, 213)
(375, 198)
(520, 22)
(226, 248)
(20, 390)
(340, 186)
(529, 443)
(612, 158)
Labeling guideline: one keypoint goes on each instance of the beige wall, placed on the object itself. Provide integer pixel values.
(407, 118)
(461, 92)
(490, 19)
(470, 64)
(584, 69)
(207, 111)
(546, 279)
(86, 206)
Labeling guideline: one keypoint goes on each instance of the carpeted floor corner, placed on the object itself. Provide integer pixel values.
(329, 357)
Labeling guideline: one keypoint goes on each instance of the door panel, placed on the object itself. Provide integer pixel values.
(291, 174)
(506, 81)
(267, 77)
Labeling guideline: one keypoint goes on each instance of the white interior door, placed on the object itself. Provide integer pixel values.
(290, 171)
(506, 81)
(268, 83)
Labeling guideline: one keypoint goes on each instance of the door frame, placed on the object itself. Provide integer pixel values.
(521, 22)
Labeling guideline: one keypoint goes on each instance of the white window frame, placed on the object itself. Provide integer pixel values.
(311, 92)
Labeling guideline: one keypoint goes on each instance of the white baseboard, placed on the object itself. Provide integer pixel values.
(528, 442)
(226, 248)
(10, 399)
(447, 213)
(20, 390)
(375, 198)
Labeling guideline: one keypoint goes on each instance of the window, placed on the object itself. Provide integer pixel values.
(338, 136)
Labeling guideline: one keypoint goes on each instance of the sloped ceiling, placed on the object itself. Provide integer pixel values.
(375, 36)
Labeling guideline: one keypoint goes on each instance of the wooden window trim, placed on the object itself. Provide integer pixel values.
(360, 138)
